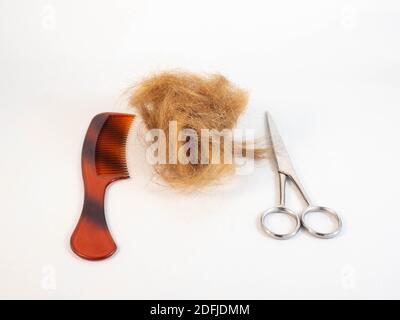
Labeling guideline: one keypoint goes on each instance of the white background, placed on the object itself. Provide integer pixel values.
(329, 72)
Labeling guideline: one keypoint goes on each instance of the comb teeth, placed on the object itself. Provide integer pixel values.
(111, 146)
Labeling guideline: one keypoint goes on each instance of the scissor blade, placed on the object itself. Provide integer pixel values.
(281, 156)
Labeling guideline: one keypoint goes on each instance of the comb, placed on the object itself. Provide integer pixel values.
(103, 162)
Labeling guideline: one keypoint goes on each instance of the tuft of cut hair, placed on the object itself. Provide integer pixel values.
(195, 102)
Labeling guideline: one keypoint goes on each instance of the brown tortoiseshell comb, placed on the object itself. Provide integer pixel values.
(103, 162)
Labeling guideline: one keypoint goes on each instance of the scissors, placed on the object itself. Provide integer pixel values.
(285, 172)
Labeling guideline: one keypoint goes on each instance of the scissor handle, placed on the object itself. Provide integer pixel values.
(284, 211)
(322, 235)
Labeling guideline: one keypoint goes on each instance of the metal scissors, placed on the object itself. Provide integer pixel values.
(286, 171)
